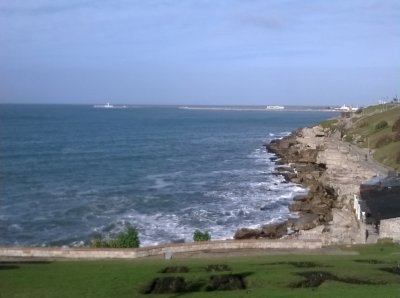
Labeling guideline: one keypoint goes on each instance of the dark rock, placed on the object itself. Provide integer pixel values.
(301, 198)
(306, 221)
(245, 233)
(274, 231)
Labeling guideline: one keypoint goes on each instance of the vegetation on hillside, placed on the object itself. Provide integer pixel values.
(377, 128)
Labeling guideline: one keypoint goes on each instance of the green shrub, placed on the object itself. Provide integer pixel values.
(396, 125)
(383, 141)
(98, 243)
(330, 124)
(363, 124)
(398, 158)
(381, 125)
(201, 236)
(127, 239)
(348, 138)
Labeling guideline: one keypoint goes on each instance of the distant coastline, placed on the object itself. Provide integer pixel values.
(258, 109)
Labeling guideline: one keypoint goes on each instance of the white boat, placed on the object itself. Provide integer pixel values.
(109, 106)
(106, 106)
(275, 107)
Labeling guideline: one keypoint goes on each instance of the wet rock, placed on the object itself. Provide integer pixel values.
(301, 198)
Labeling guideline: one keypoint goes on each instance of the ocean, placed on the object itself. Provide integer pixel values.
(70, 172)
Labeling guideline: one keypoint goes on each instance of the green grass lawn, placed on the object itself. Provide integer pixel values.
(263, 276)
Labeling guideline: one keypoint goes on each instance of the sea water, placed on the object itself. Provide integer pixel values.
(70, 172)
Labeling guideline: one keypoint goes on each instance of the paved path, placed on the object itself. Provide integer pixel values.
(367, 160)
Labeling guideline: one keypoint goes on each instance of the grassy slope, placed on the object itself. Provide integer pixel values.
(364, 131)
(126, 278)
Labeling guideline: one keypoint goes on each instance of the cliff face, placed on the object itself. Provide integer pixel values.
(332, 171)
(302, 156)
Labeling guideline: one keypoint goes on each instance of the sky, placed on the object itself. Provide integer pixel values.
(192, 52)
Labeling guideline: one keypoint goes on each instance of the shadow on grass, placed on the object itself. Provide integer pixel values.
(179, 285)
(393, 270)
(176, 269)
(315, 278)
(218, 268)
(369, 261)
(304, 264)
(9, 265)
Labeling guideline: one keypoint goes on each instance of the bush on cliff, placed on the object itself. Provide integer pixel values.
(381, 125)
(398, 158)
(329, 124)
(383, 141)
(201, 236)
(127, 239)
(396, 126)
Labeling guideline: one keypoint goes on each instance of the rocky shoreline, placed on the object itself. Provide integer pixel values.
(332, 172)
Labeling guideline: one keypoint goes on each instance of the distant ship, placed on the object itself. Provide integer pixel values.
(109, 106)
(106, 106)
(275, 107)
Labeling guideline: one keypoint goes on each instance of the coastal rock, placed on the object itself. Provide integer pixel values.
(245, 233)
(274, 231)
(306, 222)
(301, 150)
(301, 198)
(331, 171)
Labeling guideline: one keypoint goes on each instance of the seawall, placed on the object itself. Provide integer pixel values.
(98, 253)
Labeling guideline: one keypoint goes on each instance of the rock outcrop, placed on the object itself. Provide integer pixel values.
(332, 173)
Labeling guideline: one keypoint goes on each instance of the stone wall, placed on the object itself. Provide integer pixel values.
(390, 228)
(89, 253)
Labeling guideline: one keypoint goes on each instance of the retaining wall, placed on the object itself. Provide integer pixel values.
(100, 253)
(390, 228)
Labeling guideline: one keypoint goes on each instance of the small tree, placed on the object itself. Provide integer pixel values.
(201, 236)
(396, 125)
(381, 125)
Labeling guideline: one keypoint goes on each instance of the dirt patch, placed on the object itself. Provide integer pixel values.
(227, 282)
(171, 284)
(369, 261)
(176, 269)
(218, 268)
(315, 278)
(393, 270)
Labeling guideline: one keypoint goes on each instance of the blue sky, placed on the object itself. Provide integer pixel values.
(199, 52)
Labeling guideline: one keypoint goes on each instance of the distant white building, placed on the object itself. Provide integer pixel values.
(345, 108)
